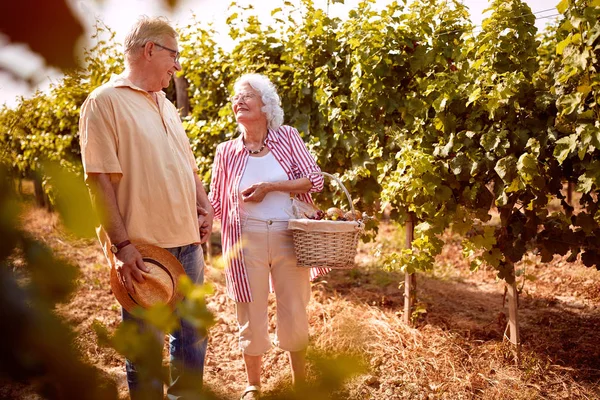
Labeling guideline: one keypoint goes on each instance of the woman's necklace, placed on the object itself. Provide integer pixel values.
(254, 151)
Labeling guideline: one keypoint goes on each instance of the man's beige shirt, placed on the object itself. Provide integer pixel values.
(144, 147)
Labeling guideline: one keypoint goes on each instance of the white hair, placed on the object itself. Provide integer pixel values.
(272, 103)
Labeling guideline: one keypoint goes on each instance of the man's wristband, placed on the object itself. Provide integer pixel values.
(116, 247)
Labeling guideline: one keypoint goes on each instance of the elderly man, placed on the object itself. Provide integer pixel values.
(142, 173)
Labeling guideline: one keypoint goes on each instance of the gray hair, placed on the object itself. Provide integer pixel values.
(146, 30)
(270, 98)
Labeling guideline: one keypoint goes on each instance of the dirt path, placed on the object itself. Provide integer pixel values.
(456, 351)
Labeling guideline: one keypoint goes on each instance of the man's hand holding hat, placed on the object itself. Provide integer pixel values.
(128, 263)
(159, 286)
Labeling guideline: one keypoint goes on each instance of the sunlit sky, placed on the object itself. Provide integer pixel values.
(120, 14)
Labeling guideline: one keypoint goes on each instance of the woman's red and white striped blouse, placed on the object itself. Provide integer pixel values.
(229, 164)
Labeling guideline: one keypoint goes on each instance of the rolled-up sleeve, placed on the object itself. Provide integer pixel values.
(305, 161)
(317, 182)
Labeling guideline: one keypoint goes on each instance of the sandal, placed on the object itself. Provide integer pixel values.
(252, 392)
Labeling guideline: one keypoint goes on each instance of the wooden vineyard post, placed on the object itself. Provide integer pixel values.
(410, 280)
(570, 187)
(209, 250)
(513, 315)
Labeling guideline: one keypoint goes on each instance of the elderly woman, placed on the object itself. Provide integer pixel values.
(253, 178)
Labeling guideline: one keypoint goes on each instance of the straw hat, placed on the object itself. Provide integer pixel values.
(159, 286)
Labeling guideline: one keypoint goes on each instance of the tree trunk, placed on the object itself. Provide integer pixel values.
(570, 186)
(181, 93)
(40, 195)
(410, 280)
(513, 317)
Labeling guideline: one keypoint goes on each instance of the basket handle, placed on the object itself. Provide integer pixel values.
(339, 182)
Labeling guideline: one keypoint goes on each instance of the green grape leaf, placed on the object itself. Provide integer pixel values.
(564, 147)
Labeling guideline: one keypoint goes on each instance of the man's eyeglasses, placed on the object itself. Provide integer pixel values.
(242, 97)
(175, 53)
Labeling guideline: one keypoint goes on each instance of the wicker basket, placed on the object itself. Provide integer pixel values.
(326, 244)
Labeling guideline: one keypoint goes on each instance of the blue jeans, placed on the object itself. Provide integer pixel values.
(186, 346)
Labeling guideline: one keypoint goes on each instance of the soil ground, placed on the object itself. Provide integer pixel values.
(456, 349)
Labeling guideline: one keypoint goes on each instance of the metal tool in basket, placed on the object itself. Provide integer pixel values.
(326, 244)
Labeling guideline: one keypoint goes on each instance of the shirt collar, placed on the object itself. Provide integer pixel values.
(272, 136)
(121, 81)
(239, 144)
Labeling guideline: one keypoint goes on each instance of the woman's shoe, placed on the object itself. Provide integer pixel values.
(252, 392)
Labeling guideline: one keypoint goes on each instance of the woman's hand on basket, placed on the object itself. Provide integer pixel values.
(256, 193)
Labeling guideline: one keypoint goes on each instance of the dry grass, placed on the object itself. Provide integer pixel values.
(456, 350)
(442, 358)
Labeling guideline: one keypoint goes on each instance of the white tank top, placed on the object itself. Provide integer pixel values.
(275, 205)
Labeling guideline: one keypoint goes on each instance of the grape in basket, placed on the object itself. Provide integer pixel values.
(316, 215)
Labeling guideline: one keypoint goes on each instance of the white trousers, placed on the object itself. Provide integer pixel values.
(268, 251)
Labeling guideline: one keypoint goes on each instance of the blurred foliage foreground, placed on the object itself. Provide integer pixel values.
(36, 346)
